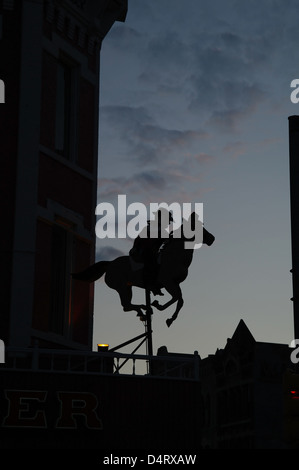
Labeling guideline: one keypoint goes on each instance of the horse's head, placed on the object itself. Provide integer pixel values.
(207, 237)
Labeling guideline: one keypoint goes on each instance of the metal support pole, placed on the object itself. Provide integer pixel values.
(149, 312)
(128, 342)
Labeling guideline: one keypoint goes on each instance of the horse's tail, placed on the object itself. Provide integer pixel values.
(92, 273)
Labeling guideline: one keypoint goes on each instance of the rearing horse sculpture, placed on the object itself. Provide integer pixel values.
(122, 274)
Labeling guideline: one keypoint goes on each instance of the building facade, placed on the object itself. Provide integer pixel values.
(243, 395)
(50, 54)
(73, 405)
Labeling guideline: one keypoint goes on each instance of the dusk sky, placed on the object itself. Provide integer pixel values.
(194, 106)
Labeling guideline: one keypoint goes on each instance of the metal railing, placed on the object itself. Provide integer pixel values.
(99, 363)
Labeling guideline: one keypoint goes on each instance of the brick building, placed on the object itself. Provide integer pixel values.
(50, 53)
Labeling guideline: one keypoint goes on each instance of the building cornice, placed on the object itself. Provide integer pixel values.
(98, 14)
(86, 18)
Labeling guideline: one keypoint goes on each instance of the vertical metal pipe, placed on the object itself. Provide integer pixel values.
(294, 207)
(149, 312)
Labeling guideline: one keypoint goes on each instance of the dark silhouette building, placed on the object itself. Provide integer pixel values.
(241, 391)
(242, 394)
(50, 53)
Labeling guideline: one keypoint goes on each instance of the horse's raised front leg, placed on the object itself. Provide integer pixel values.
(125, 294)
(175, 291)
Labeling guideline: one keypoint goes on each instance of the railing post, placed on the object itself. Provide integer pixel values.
(196, 365)
(35, 353)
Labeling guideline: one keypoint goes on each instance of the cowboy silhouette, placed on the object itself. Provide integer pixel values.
(147, 245)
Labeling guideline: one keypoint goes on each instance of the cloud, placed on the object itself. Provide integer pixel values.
(235, 149)
(108, 253)
(111, 187)
(166, 63)
(238, 102)
(172, 183)
(152, 179)
(225, 67)
(182, 86)
(146, 141)
(225, 84)
(204, 158)
(125, 38)
(146, 182)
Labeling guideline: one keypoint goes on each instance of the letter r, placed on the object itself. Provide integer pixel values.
(77, 403)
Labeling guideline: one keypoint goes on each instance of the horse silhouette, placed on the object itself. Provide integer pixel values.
(123, 273)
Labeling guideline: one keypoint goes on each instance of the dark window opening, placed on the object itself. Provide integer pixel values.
(60, 280)
(66, 109)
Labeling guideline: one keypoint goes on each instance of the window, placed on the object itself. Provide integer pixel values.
(60, 280)
(66, 108)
